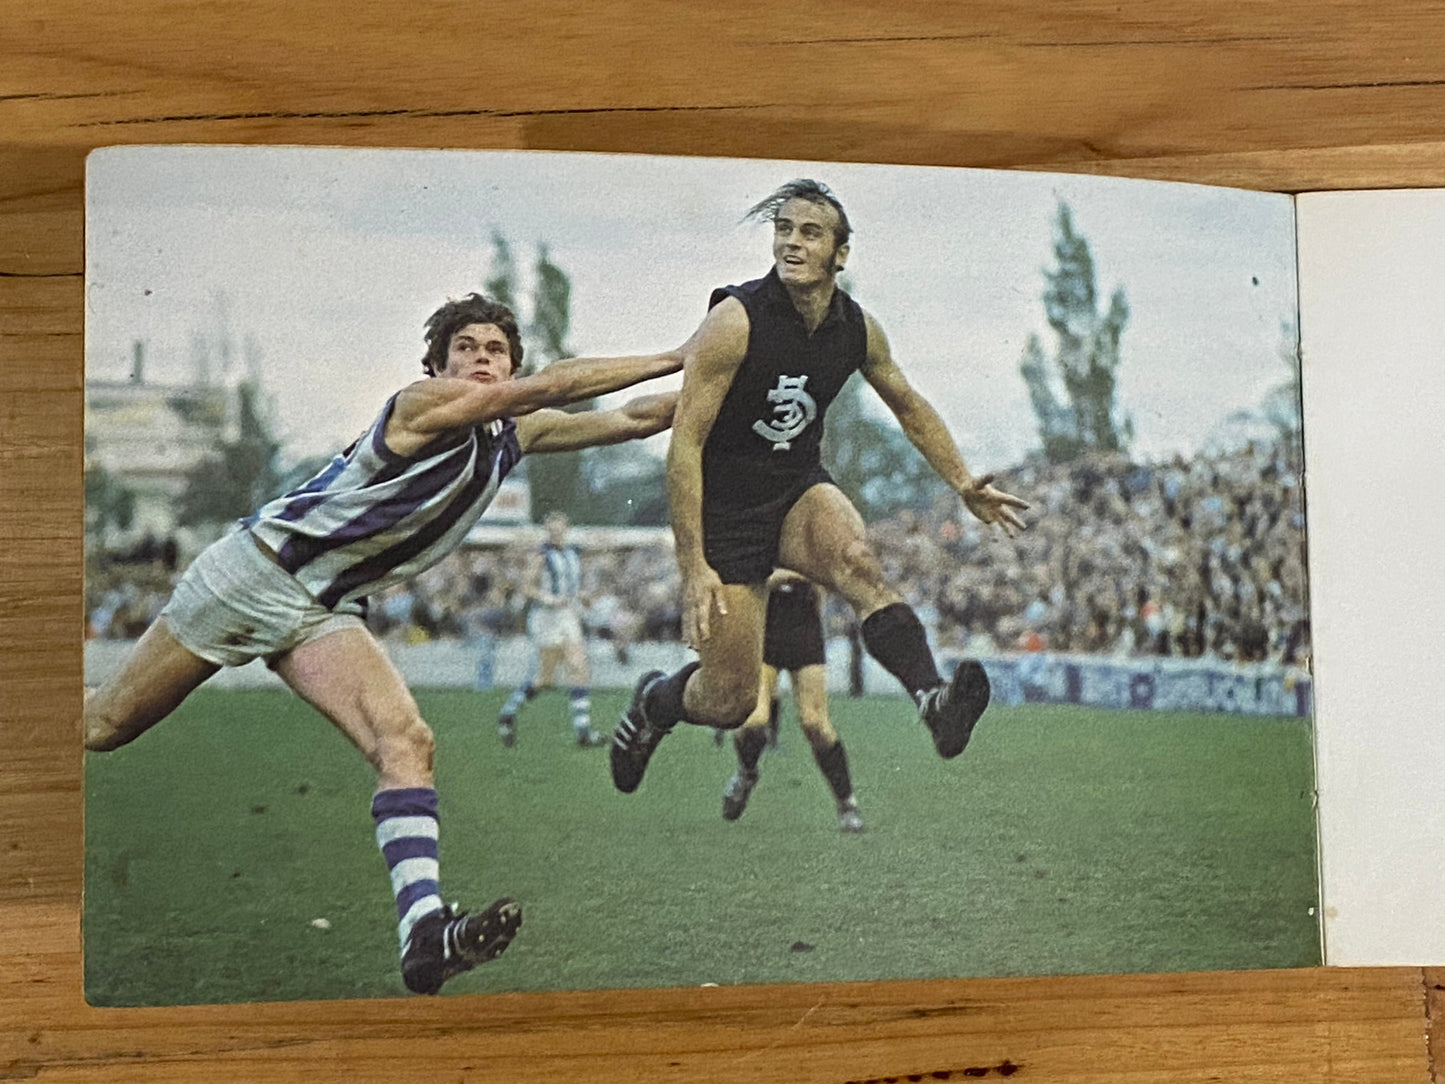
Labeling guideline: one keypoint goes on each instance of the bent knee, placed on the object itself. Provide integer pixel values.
(102, 732)
(729, 721)
(860, 563)
(104, 728)
(727, 707)
(819, 732)
(406, 744)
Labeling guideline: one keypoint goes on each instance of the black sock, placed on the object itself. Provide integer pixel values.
(895, 637)
(749, 744)
(774, 710)
(663, 702)
(833, 763)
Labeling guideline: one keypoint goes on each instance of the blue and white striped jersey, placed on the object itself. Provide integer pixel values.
(372, 518)
(561, 572)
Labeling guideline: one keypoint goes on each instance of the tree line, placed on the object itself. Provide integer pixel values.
(1072, 386)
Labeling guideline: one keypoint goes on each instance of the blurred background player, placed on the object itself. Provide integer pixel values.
(793, 642)
(554, 624)
(289, 585)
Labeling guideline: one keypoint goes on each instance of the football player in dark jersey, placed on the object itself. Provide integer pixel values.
(749, 493)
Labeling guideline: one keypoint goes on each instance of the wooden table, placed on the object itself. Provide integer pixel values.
(1287, 96)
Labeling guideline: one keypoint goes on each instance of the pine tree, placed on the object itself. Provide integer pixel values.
(551, 307)
(1086, 358)
(622, 484)
(501, 285)
(557, 479)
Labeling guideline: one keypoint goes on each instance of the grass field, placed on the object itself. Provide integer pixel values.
(1064, 840)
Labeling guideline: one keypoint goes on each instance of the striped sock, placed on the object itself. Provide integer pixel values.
(520, 695)
(406, 832)
(581, 709)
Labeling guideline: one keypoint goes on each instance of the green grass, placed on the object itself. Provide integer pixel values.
(1064, 840)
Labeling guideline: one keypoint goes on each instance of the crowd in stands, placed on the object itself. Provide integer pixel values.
(631, 594)
(1183, 558)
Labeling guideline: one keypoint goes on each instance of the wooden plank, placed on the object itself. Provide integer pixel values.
(1265, 1026)
(1286, 96)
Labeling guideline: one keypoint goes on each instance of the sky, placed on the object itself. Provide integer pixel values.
(331, 260)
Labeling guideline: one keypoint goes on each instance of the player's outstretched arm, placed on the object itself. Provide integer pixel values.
(438, 404)
(551, 430)
(927, 432)
(710, 360)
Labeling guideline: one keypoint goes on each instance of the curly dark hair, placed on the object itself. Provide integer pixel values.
(455, 315)
(766, 210)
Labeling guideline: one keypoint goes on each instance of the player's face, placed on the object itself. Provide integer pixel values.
(803, 248)
(479, 352)
(556, 529)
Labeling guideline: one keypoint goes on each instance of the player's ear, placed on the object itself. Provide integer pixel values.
(840, 257)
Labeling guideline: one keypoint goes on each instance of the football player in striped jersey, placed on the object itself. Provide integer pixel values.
(554, 624)
(289, 585)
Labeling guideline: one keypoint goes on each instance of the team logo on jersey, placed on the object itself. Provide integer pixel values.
(793, 411)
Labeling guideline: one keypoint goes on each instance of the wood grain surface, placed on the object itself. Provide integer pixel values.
(1288, 96)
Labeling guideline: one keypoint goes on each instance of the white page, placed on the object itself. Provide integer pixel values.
(1372, 312)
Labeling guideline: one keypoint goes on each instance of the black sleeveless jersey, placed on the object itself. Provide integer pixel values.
(769, 428)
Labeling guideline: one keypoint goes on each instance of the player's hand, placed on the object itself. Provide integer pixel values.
(702, 595)
(992, 505)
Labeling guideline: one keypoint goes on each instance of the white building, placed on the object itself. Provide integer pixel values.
(148, 438)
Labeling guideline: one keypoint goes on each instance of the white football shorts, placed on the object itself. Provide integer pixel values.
(235, 604)
(553, 626)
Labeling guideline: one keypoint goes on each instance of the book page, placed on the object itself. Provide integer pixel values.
(1372, 280)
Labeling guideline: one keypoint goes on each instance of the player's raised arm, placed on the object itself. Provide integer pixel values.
(466, 397)
(710, 360)
(550, 430)
(927, 432)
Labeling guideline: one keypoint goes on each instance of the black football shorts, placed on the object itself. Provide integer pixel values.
(740, 541)
(794, 636)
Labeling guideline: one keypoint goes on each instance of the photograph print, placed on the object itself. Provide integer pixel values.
(519, 571)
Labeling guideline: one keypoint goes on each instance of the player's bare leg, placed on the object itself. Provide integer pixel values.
(824, 539)
(574, 654)
(156, 676)
(749, 740)
(548, 659)
(723, 690)
(579, 696)
(348, 678)
(549, 656)
(718, 690)
(810, 691)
